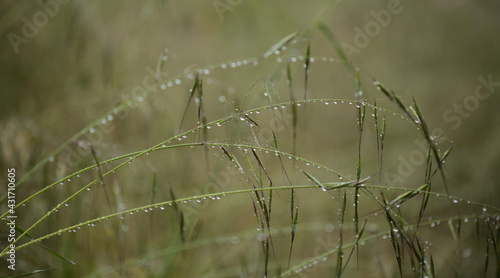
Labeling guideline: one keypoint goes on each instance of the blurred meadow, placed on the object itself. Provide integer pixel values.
(136, 105)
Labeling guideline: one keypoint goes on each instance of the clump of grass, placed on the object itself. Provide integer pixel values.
(272, 177)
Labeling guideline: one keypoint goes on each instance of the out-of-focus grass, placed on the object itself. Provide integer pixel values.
(90, 55)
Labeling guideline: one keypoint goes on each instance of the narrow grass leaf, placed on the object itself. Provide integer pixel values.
(408, 195)
(356, 244)
(257, 216)
(306, 66)
(340, 253)
(231, 158)
(377, 132)
(487, 252)
(180, 214)
(283, 42)
(262, 167)
(32, 273)
(275, 140)
(190, 98)
(153, 187)
(432, 272)
(316, 181)
(425, 199)
(21, 231)
(382, 138)
(182, 227)
(196, 230)
(343, 55)
(294, 212)
(266, 264)
(159, 65)
(430, 141)
(101, 177)
(294, 109)
(428, 162)
(477, 229)
(395, 243)
(361, 119)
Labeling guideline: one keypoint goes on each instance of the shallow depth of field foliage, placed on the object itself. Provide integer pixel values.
(246, 139)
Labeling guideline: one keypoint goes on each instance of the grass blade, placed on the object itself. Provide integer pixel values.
(101, 177)
(316, 181)
(21, 231)
(294, 109)
(190, 98)
(180, 215)
(394, 241)
(159, 65)
(306, 66)
(340, 51)
(294, 212)
(31, 273)
(408, 195)
(284, 41)
(487, 252)
(430, 141)
(340, 253)
(356, 244)
(361, 119)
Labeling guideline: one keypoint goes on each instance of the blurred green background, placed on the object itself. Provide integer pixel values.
(83, 59)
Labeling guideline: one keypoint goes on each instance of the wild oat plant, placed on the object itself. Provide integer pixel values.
(244, 185)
